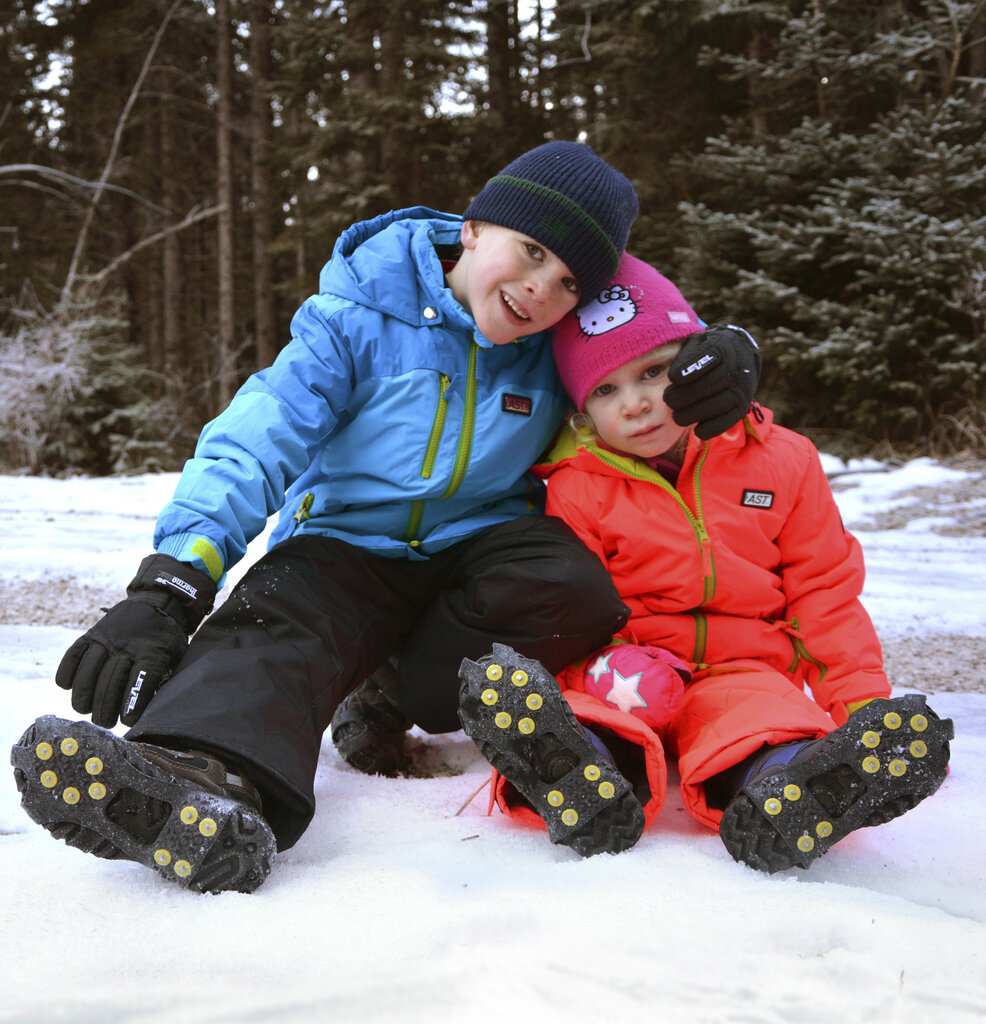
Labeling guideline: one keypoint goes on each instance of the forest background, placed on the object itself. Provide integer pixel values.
(173, 174)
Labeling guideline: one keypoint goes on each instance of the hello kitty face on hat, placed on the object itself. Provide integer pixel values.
(610, 309)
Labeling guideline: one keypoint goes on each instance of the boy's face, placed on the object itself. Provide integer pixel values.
(628, 410)
(512, 285)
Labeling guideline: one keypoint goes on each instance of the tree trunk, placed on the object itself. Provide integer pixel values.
(261, 186)
(171, 274)
(226, 324)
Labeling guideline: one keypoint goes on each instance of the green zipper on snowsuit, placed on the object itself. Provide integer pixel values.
(463, 450)
(697, 524)
(803, 654)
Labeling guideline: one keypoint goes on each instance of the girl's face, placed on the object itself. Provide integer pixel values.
(512, 285)
(628, 410)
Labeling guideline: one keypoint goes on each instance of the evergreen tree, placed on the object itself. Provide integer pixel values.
(850, 235)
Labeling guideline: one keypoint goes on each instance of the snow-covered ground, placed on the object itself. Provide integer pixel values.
(405, 902)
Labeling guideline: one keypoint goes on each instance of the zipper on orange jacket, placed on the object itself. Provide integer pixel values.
(805, 655)
(697, 524)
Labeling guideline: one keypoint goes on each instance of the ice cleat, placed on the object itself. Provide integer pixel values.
(883, 761)
(181, 815)
(367, 728)
(514, 711)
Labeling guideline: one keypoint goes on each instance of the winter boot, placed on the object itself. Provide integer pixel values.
(800, 799)
(515, 713)
(180, 814)
(368, 730)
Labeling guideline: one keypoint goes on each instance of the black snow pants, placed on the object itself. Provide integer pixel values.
(315, 616)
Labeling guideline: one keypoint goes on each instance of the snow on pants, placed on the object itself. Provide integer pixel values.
(315, 616)
(729, 711)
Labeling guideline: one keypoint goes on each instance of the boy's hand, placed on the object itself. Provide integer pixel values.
(114, 669)
(713, 379)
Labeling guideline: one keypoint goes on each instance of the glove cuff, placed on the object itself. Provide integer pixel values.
(183, 592)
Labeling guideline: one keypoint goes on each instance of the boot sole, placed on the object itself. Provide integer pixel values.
(882, 762)
(506, 702)
(95, 791)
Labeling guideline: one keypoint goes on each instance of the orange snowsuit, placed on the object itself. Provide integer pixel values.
(745, 571)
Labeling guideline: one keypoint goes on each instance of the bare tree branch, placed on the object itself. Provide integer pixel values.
(80, 244)
(191, 218)
(79, 183)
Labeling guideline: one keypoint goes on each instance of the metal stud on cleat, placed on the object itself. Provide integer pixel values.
(44, 751)
(69, 746)
(189, 815)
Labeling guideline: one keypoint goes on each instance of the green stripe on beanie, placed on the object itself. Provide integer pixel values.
(570, 200)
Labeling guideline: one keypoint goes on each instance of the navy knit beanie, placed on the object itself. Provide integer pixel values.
(571, 201)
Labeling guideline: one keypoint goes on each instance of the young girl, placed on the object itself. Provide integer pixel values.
(743, 587)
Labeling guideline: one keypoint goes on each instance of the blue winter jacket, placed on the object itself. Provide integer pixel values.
(388, 420)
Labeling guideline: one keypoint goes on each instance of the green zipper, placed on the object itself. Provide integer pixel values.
(697, 524)
(802, 652)
(463, 450)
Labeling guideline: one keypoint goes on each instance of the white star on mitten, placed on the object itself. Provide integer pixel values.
(599, 667)
(625, 693)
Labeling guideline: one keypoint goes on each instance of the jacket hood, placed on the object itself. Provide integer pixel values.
(369, 260)
(573, 446)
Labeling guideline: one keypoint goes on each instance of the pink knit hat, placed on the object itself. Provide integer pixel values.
(638, 310)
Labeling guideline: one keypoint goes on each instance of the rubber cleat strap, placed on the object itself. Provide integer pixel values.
(888, 757)
(514, 711)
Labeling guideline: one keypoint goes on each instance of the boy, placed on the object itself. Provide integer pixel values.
(743, 588)
(394, 432)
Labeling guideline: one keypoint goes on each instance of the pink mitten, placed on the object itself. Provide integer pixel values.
(647, 682)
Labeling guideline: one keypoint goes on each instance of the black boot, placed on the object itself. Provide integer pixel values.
(514, 711)
(369, 730)
(799, 800)
(181, 814)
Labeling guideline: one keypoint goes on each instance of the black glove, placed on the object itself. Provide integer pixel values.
(713, 379)
(115, 668)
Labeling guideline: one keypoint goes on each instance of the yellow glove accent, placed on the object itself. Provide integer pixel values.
(857, 704)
